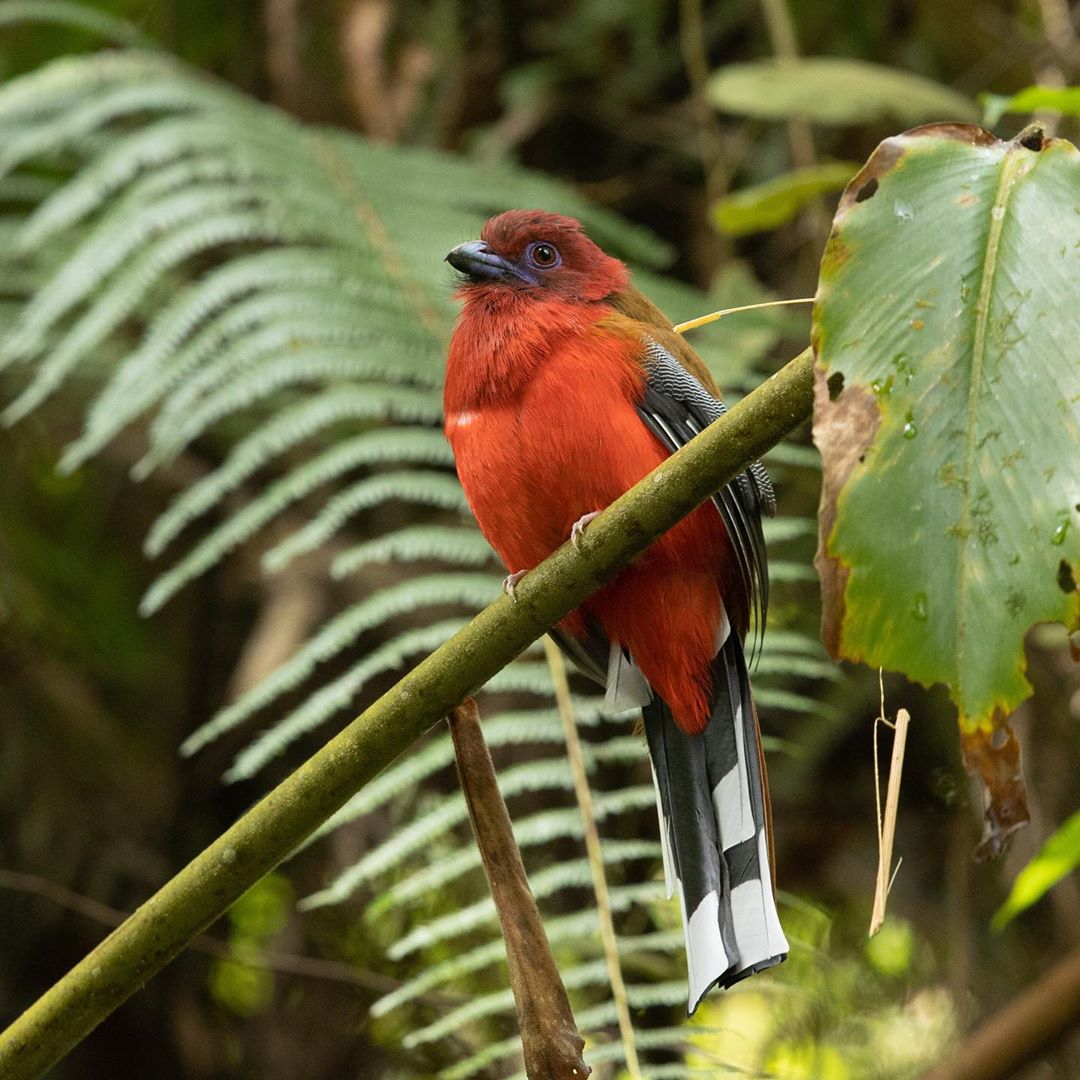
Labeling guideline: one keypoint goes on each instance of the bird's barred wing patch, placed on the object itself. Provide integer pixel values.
(676, 407)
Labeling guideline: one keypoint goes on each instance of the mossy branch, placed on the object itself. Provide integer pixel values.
(201, 892)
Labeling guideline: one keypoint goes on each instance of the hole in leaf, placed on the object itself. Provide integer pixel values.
(999, 738)
(867, 191)
(835, 383)
(1065, 578)
(1034, 139)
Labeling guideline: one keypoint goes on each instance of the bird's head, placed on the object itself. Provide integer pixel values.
(531, 251)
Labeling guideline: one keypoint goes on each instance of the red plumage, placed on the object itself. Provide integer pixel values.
(542, 387)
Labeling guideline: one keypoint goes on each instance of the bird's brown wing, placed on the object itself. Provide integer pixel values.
(676, 406)
(637, 306)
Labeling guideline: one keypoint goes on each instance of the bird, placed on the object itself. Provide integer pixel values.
(564, 387)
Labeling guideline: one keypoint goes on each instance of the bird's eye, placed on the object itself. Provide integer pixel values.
(543, 256)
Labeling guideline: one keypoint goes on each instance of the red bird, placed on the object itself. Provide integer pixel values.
(564, 387)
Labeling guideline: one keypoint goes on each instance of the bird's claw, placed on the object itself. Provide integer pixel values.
(578, 531)
(510, 583)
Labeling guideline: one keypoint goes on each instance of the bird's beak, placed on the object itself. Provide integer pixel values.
(479, 263)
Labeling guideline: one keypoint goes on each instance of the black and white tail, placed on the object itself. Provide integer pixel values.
(713, 803)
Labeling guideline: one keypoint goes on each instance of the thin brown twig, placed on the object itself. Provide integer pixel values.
(282, 962)
(695, 57)
(281, 22)
(785, 46)
(550, 1039)
(1060, 32)
(1061, 38)
(1030, 1023)
(781, 30)
(292, 602)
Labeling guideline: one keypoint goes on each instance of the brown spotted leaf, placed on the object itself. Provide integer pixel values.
(948, 310)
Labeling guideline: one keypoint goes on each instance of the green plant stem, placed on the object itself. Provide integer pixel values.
(269, 831)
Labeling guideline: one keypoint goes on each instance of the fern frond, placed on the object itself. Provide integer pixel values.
(521, 678)
(65, 82)
(416, 543)
(528, 833)
(479, 1008)
(471, 590)
(522, 725)
(425, 489)
(670, 1038)
(807, 667)
(769, 697)
(338, 695)
(114, 304)
(67, 13)
(784, 570)
(175, 147)
(588, 974)
(580, 927)
(789, 641)
(552, 879)
(420, 446)
(433, 489)
(589, 1020)
(789, 453)
(549, 775)
(548, 825)
(296, 423)
(277, 371)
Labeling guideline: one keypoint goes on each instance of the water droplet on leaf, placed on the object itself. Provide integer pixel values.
(918, 607)
(1059, 534)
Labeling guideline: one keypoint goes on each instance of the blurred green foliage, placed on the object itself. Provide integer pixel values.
(242, 983)
(1060, 855)
(827, 90)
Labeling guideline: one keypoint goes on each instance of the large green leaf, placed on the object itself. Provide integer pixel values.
(951, 513)
(831, 90)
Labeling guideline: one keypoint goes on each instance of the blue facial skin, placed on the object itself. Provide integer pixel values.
(479, 263)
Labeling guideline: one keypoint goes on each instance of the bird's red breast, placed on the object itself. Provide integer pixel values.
(541, 398)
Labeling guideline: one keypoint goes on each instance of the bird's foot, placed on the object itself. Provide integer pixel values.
(510, 583)
(578, 531)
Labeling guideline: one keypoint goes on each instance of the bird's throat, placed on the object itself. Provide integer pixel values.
(502, 337)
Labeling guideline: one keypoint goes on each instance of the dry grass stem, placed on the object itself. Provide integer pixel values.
(886, 825)
(596, 858)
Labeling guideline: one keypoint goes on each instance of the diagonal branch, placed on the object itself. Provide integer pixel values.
(164, 925)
